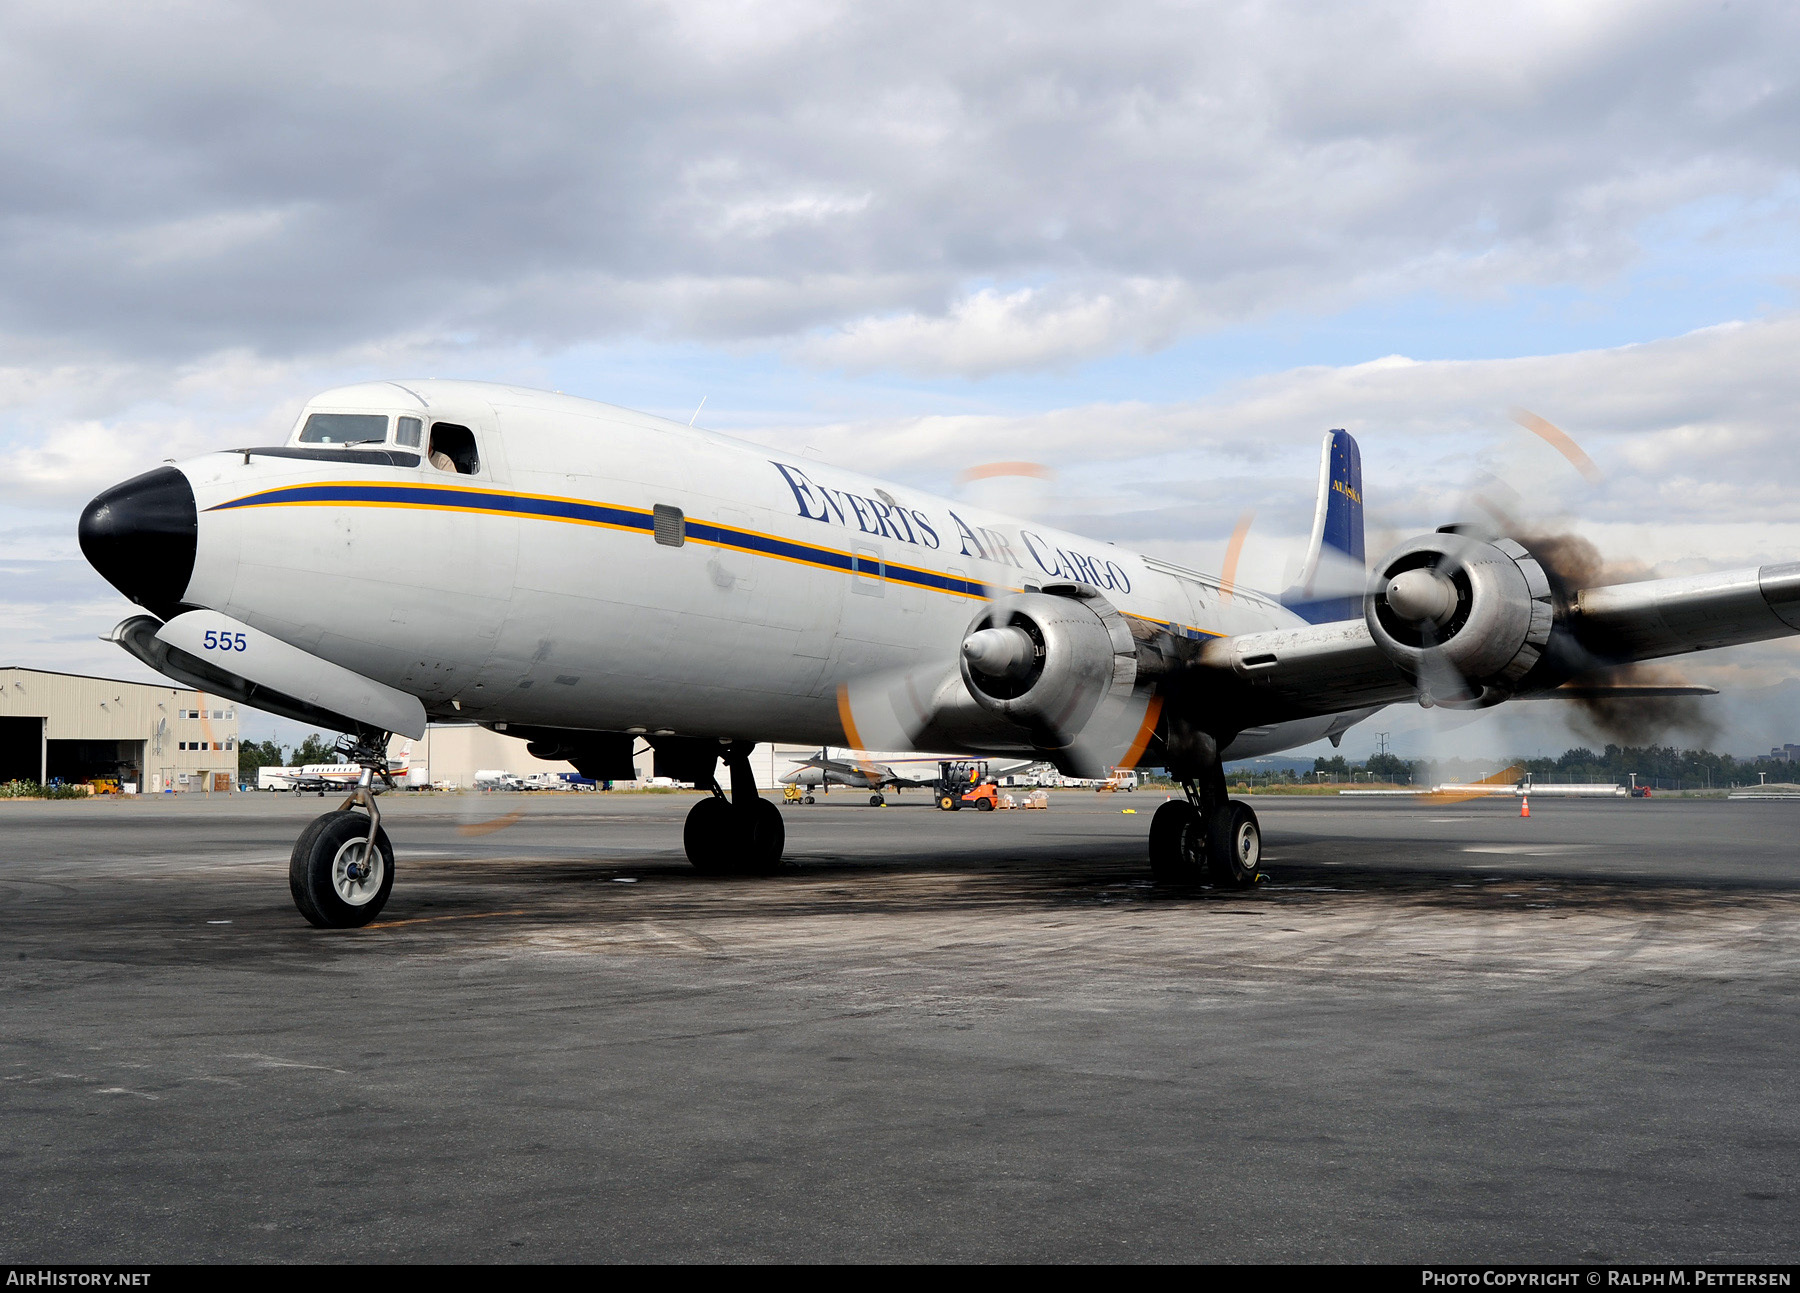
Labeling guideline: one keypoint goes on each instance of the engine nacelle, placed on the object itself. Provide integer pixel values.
(1461, 615)
(1045, 660)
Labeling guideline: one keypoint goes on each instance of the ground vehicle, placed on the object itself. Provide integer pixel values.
(965, 783)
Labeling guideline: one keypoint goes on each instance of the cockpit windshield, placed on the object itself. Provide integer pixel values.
(344, 428)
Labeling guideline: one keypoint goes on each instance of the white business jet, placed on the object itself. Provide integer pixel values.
(321, 777)
(586, 577)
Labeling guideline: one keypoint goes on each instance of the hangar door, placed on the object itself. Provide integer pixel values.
(21, 749)
(86, 760)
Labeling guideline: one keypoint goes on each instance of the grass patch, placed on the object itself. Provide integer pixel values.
(31, 790)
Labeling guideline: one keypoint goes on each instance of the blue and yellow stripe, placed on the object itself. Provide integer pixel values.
(613, 516)
(608, 516)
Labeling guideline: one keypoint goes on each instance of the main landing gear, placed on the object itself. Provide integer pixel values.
(342, 868)
(1207, 837)
(742, 835)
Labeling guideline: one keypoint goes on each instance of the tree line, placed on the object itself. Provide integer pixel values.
(1660, 766)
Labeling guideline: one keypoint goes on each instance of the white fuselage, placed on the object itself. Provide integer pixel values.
(535, 591)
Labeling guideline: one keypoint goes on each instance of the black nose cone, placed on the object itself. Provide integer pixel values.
(141, 535)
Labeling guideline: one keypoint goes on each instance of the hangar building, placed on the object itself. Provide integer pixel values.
(71, 727)
(452, 753)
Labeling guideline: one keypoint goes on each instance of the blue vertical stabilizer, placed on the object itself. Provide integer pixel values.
(1331, 582)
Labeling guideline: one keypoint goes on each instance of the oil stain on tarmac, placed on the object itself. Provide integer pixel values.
(1428, 1036)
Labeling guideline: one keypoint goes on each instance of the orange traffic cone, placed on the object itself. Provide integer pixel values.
(1524, 805)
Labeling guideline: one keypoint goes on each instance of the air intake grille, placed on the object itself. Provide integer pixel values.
(671, 525)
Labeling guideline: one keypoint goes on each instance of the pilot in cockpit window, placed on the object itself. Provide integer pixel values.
(452, 448)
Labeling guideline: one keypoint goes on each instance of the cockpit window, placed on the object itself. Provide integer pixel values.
(453, 449)
(407, 431)
(344, 428)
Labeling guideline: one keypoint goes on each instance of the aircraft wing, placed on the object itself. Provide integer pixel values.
(311, 783)
(1552, 645)
(848, 774)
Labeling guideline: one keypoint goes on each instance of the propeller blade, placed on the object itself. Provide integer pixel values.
(1233, 551)
(888, 710)
(1559, 440)
(1115, 737)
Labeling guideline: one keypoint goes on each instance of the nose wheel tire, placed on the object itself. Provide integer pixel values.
(723, 839)
(876, 801)
(1234, 846)
(337, 881)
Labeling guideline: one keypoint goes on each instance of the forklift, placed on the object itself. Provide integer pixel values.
(966, 784)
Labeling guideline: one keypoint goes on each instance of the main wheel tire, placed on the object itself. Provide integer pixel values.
(1234, 846)
(334, 885)
(767, 837)
(1177, 844)
(809, 799)
(706, 835)
(721, 839)
(876, 801)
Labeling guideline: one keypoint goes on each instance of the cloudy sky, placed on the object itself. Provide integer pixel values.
(1158, 248)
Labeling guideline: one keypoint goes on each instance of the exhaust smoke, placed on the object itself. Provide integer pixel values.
(1574, 563)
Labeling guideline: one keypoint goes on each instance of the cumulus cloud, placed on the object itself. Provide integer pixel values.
(991, 331)
(938, 188)
(1694, 437)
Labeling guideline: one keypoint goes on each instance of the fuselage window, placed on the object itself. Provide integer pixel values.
(453, 449)
(344, 428)
(407, 432)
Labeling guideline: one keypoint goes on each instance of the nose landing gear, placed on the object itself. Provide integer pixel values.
(342, 868)
(742, 835)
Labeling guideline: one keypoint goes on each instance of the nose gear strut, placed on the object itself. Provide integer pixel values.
(342, 868)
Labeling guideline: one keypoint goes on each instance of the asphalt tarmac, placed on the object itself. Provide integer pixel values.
(1436, 1034)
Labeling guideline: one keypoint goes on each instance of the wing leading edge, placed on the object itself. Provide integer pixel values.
(1338, 667)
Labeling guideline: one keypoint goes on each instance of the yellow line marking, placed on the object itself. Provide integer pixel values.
(488, 828)
(429, 920)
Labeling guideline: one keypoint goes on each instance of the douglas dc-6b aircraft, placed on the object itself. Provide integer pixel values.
(583, 576)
